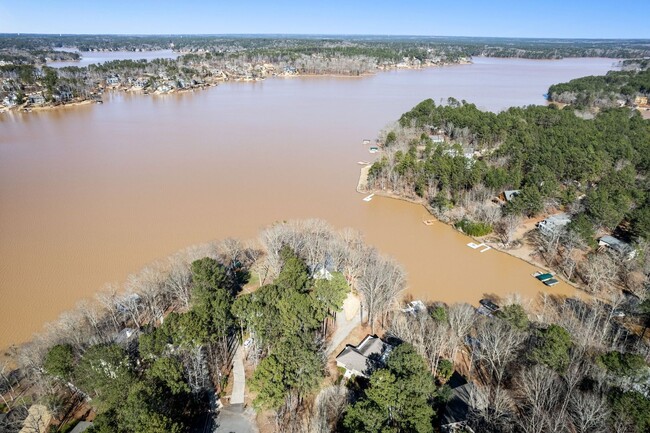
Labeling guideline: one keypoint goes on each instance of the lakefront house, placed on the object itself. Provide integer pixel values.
(363, 359)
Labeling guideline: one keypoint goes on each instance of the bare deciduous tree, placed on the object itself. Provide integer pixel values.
(179, 279)
(589, 412)
(380, 282)
(571, 243)
(600, 272)
(328, 409)
(429, 337)
(94, 315)
(150, 285)
(109, 299)
(540, 391)
(507, 227)
(499, 345)
(461, 317)
(548, 244)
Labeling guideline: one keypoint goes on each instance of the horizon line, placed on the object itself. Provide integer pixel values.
(2, 34)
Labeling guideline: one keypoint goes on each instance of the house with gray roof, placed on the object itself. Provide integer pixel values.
(554, 223)
(465, 398)
(362, 359)
(618, 246)
(509, 195)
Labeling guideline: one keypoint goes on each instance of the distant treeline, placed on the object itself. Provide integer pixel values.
(448, 46)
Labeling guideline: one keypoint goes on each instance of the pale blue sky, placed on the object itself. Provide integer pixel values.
(508, 18)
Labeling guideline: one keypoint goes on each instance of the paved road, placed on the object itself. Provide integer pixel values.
(239, 378)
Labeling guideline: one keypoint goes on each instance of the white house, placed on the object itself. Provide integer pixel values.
(554, 223)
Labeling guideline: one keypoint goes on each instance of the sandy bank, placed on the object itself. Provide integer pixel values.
(37, 108)
(362, 185)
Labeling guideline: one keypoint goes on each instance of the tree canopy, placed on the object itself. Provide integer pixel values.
(549, 155)
(398, 398)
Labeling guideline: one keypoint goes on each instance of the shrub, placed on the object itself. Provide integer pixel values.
(439, 313)
(515, 315)
(445, 370)
(474, 228)
(552, 349)
(621, 364)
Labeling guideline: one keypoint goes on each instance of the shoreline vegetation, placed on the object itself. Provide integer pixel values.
(205, 61)
(180, 318)
(166, 339)
(160, 85)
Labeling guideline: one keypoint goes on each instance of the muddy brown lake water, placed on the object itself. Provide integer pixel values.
(90, 194)
(95, 57)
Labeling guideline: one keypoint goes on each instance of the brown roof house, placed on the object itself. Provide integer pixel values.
(362, 359)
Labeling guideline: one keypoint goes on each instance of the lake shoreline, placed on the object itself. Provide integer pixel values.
(362, 189)
(27, 107)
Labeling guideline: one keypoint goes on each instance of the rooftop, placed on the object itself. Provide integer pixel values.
(464, 398)
(81, 427)
(363, 358)
(510, 194)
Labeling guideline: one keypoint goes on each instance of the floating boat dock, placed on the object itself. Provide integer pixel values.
(475, 246)
(363, 163)
(369, 197)
(546, 278)
(428, 222)
(543, 276)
